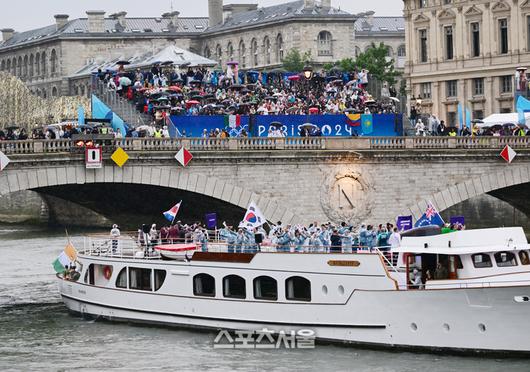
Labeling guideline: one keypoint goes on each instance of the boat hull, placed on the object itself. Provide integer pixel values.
(464, 320)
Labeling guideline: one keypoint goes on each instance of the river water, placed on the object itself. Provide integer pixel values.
(37, 333)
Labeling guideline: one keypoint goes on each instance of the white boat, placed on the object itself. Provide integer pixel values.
(480, 301)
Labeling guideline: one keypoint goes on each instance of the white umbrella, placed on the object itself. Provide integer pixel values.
(125, 81)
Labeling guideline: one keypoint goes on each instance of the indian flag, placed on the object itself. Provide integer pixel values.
(232, 121)
(65, 258)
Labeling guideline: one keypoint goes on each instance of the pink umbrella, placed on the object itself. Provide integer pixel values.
(232, 63)
(294, 78)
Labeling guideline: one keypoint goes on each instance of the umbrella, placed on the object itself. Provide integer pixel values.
(350, 110)
(337, 82)
(278, 71)
(232, 63)
(251, 86)
(350, 83)
(236, 86)
(277, 95)
(197, 97)
(477, 121)
(175, 89)
(276, 124)
(313, 110)
(163, 98)
(291, 110)
(308, 126)
(192, 102)
(142, 127)
(394, 99)
(294, 78)
(125, 81)
(167, 63)
(261, 109)
(123, 63)
(162, 107)
(195, 82)
(270, 98)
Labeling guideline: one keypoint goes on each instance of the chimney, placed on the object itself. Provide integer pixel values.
(326, 4)
(309, 4)
(173, 18)
(7, 33)
(120, 17)
(96, 21)
(215, 12)
(61, 20)
(370, 18)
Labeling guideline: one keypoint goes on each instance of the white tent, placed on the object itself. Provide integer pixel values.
(500, 119)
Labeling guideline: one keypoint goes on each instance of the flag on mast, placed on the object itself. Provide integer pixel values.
(430, 217)
(172, 213)
(253, 218)
(66, 257)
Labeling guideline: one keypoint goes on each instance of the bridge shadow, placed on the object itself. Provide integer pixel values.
(131, 205)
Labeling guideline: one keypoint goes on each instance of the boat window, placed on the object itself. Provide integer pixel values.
(525, 259)
(458, 262)
(121, 280)
(204, 285)
(481, 260)
(505, 259)
(265, 288)
(90, 273)
(140, 279)
(160, 276)
(298, 289)
(234, 287)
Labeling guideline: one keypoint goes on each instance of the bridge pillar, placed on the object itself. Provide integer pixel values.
(38, 147)
(137, 144)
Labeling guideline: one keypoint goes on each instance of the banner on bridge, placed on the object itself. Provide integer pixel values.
(346, 125)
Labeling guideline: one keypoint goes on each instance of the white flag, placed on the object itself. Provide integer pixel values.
(4, 161)
(253, 218)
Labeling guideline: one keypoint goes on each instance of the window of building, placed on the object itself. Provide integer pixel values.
(267, 50)
(525, 259)
(242, 54)
(423, 45)
(478, 114)
(140, 279)
(325, 44)
(234, 286)
(265, 288)
(204, 285)
(426, 90)
(402, 51)
(448, 32)
(219, 54)
(478, 87)
(506, 84)
(505, 259)
(279, 48)
(451, 88)
(481, 260)
(503, 36)
(160, 277)
(422, 3)
(528, 33)
(298, 289)
(121, 280)
(451, 119)
(447, 2)
(53, 61)
(475, 39)
(230, 51)
(255, 54)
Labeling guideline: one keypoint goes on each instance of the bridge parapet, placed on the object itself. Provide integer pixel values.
(257, 143)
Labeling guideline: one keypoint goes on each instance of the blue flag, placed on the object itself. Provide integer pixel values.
(430, 217)
(367, 122)
(468, 118)
(460, 117)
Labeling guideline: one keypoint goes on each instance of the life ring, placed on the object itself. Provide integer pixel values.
(107, 272)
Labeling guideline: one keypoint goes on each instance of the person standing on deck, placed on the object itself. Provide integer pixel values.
(115, 234)
(336, 242)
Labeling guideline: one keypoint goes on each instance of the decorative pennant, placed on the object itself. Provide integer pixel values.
(184, 157)
(4, 161)
(508, 154)
(120, 157)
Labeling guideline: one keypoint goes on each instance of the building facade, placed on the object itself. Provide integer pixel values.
(465, 52)
(258, 38)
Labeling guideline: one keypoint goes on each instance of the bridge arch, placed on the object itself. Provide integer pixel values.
(452, 195)
(13, 180)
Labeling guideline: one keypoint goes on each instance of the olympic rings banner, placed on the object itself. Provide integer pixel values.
(344, 125)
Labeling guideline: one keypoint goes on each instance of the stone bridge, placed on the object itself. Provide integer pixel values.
(297, 180)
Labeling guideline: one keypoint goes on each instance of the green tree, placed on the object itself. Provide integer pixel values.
(294, 60)
(376, 61)
(347, 64)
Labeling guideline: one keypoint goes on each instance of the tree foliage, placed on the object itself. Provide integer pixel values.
(294, 60)
(376, 61)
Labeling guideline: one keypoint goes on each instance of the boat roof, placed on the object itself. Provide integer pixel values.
(467, 242)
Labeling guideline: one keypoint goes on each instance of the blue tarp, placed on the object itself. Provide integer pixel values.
(102, 111)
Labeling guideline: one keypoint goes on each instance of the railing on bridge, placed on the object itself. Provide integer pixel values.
(264, 143)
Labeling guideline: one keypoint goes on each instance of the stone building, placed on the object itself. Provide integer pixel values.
(46, 58)
(465, 52)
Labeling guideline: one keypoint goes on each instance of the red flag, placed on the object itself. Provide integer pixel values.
(508, 154)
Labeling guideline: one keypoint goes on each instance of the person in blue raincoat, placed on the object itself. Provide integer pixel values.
(324, 237)
(250, 242)
(299, 240)
(363, 237)
(241, 240)
(283, 241)
(229, 236)
(371, 237)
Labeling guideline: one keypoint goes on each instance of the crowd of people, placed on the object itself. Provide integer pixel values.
(200, 91)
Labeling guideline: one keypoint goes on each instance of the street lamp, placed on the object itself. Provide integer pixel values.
(308, 72)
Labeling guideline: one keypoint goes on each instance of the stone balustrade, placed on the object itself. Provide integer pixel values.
(264, 143)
